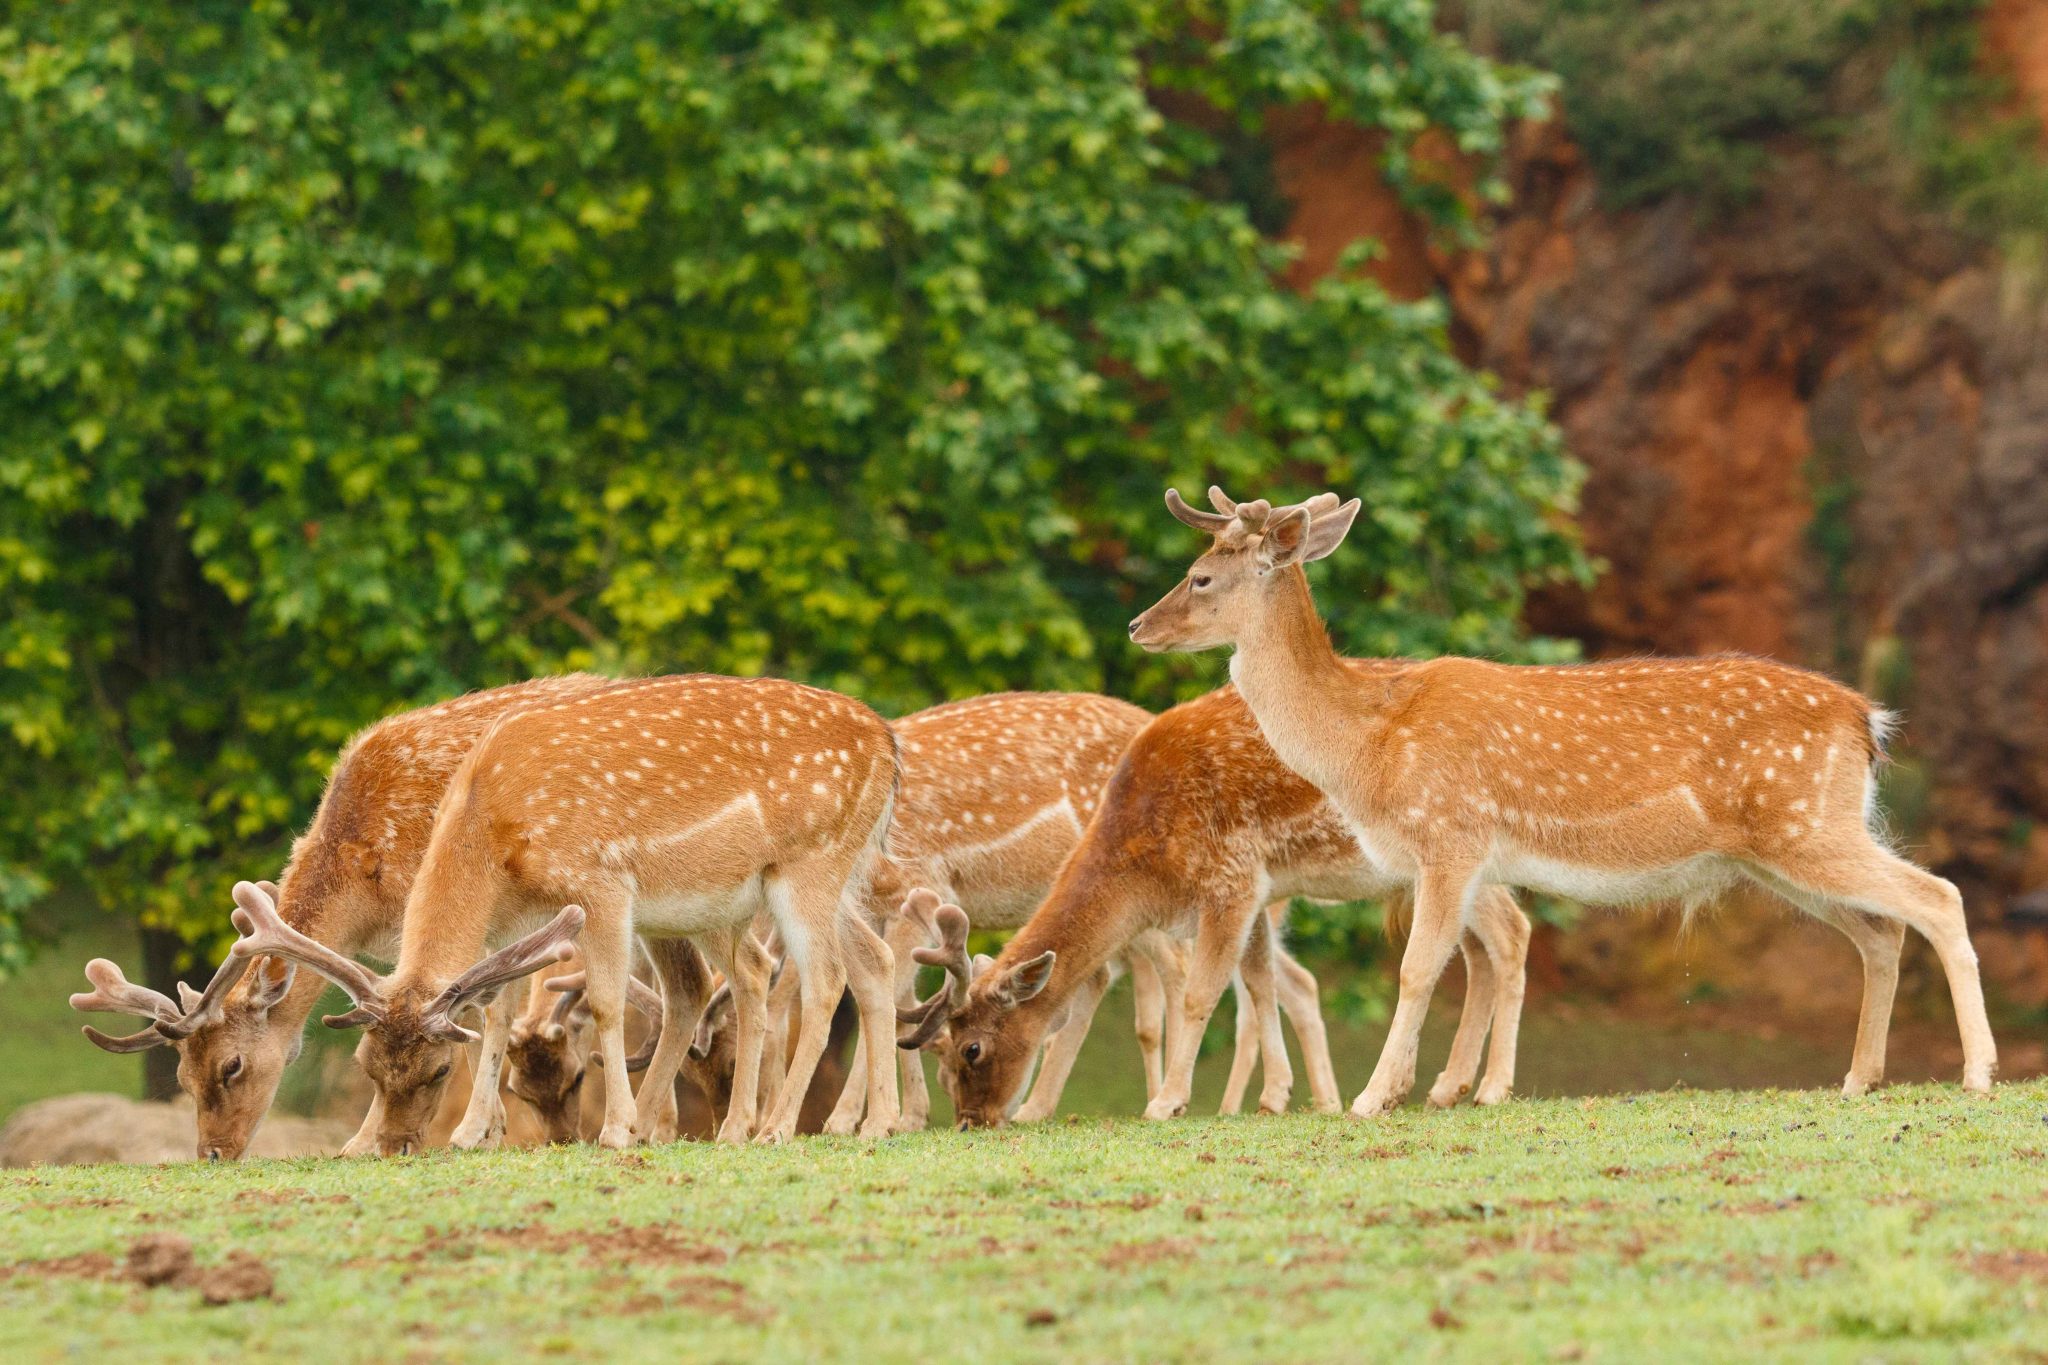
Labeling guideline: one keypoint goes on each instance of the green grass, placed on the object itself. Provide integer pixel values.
(1684, 1225)
(41, 1053)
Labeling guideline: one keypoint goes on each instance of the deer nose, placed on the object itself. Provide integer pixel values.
(962, 1126)
(1136, 621)
(213, 1154)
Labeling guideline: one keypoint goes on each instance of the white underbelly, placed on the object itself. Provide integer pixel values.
(1703, 875)
(673, 914)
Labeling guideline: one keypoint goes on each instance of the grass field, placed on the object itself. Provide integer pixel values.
(1911, 1225)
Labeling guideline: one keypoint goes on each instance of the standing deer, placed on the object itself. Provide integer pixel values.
(996, 791)
(1201, 824)
(672, 807)
(1610, 783)
(344, 886)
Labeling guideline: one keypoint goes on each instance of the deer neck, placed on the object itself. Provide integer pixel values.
(1085, 920)
(315, 899)
(1295, 684)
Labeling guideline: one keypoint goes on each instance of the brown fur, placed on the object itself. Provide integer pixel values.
(1611, 783)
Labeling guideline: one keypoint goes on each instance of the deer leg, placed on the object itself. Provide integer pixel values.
(1062, 1048)
(1878, 942)
(1301, 1001)
(1876, 881)
(853, 1095)
(1148, 1009)
(1219, 947)
(870, 974)
(483, 1122)
(747, 969)
(685, 984)
(607, 948)
(805, 903)
(1169, 957)
(1442, 894)
(1245, 1055)
(1504, 930)
(1256, 971)
(1461, 1068)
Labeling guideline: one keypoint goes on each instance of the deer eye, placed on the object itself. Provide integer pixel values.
(231, 1069)
(971, 1053)
(1199, 581)
(440, 1075)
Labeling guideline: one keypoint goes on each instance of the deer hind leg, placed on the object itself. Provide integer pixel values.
(747, 969)
(871, 974)
(1442, 893)
(1062, 1049)
(483, 1122)
(1219, 947)
(1256, 971)
(685, 984)
(1878, 882)
(1461, 1069)
(804, 900)
(1245, 1050)
(1301, 1001)
(1504, 930)
(1148, 1021)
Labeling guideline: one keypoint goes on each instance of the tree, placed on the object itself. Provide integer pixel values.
(346, 363)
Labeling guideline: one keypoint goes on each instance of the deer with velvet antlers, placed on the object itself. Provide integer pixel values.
(1610, 783)
(345, 887)
(1200, 828)
(672, 807)
(995, 792)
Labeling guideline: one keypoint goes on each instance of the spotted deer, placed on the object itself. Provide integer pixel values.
(996, 790)
(672, 807)
(1611, 783)
(344, 886)
(1201, 826)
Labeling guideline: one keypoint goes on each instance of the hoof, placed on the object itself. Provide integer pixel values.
(908, 1123)
(1444, 1095)
(1278, 1106)
(1494, 1094)
(1166, 1109)
(876, 1128)
(618, 1137)
(838, 1127)
(1329, 1106)
(1855, 1087)
(1371, 1106)
(1977, 1085)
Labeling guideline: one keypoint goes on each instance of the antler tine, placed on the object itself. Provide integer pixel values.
(1254, 514)
(1222, 501)
(132, 1042)
(1201, 521)
(929, 1015)
(113, 993)
(549, 943)
(644, 998)
(265, 934)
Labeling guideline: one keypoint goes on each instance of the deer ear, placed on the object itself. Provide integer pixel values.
(1284, 539)
(1327, 529)
(274, 977)
(1026, 979)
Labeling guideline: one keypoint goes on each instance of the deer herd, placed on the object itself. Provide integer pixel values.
(729, 857)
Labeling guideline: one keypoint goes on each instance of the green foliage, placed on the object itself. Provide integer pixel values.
(348, 361)
(1667, 96)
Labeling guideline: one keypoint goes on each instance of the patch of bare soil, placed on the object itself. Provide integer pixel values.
(1137, 1255)
(2012, 1267)
(164, 1260)
(714, 1294)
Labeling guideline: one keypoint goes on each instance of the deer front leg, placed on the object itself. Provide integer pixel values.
(1062, 1048)
(607, 948)
(685, 985)
(903, 934)
(1148, 1017)
(1442, 893)
(805, 903)
(870, 975)
(747, 969)
(853, 1095)
(1219, 946)
(1245, 1050)
(483, 1122)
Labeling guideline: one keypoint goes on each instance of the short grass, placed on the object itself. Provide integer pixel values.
(1704, 1225)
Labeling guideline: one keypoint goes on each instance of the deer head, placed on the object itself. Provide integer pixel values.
(1252, 544)
(410, 1036)
(548, 1055)
(230, 1058)
(983, 1063)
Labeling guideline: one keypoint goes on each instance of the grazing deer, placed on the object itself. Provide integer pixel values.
(1201, 824)
(996, 791)
(1612, 783)
(344, 886)
(547, 1049)
(671, 807)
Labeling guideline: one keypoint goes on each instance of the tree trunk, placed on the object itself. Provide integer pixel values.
(161, 950)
